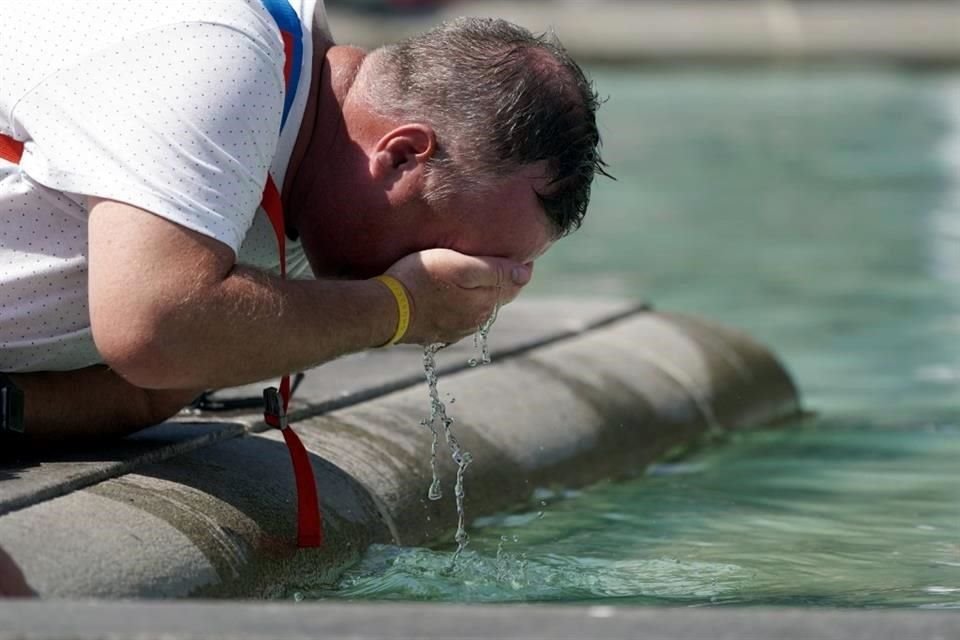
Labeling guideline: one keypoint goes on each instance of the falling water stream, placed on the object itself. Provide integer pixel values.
(438, 413)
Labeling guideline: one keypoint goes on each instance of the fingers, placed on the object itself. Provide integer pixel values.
(452, 293)
(471, 272)
(521, 274)
(481, 272)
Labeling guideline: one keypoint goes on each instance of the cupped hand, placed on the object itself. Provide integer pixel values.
(452, 294)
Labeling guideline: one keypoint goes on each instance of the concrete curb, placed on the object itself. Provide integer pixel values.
(368, 621)
(220, 519)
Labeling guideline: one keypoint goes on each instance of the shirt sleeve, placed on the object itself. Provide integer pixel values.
(181, 120)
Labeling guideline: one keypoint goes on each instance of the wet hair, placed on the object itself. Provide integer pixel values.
(499, 98)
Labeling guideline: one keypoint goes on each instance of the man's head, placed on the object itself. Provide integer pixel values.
(476, 136)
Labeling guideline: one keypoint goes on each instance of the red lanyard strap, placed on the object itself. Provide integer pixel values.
(10, 150)
(309, 521)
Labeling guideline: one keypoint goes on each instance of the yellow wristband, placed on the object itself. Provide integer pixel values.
(403, 307)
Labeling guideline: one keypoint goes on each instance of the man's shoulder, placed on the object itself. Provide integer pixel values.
(44, 36)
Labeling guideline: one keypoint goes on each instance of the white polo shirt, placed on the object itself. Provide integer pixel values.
(171, 106)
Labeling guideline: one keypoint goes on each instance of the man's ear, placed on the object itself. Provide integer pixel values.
(403, 150)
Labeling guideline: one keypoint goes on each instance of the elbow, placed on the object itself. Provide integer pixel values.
(135, 347)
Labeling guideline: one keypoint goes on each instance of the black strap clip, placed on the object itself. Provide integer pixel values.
(273, 411)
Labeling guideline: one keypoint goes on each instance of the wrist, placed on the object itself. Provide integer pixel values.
(403, 307)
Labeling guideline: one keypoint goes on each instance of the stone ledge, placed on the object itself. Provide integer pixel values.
(602, 400)
(28, 480)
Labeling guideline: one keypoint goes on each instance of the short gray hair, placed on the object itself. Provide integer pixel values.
(498, 98)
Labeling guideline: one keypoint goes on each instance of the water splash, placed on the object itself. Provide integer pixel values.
(396, 573)
(438, 413)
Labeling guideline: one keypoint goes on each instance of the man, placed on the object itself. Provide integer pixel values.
(136, 267)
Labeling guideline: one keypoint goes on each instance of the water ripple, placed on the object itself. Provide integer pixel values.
(395, 573)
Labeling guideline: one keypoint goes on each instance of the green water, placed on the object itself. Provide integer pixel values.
(820, 212)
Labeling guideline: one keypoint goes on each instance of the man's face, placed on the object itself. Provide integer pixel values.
(507, 221)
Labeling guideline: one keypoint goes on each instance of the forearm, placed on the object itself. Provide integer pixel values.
(169, 308)
(91, 403)
(247, 327)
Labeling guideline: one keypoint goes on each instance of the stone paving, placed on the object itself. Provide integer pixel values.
(256, 621)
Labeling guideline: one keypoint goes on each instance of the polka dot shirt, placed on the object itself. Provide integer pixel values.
(171, 106)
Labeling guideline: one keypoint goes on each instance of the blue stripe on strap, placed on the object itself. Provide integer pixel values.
(288, 22)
